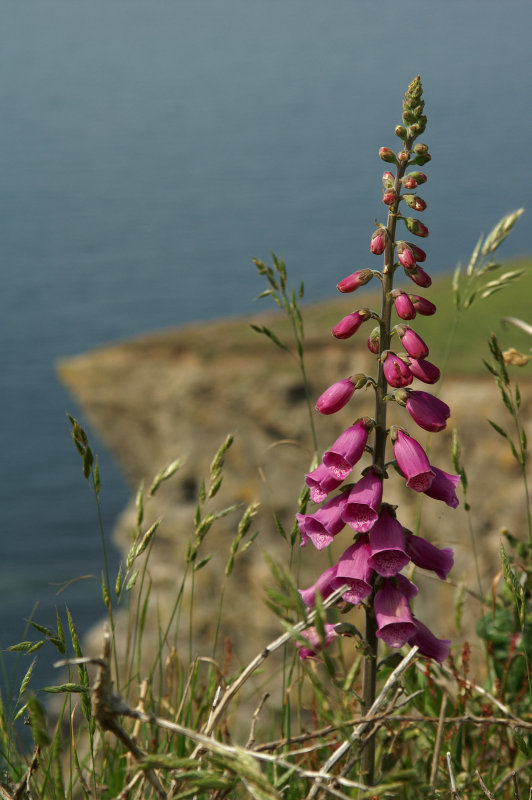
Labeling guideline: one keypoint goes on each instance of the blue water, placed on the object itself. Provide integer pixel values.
(150, 149)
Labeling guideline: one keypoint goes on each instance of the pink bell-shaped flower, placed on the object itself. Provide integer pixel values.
(412, 461)
(321, 483)
(347, 450)
(427, 556)
(387, 543)
(353, 569)
(363, 502)
(429, 645)
(323, 585)
(395, 624)
(443, 487)
(315, 642)
(429, 412)
(322, 526)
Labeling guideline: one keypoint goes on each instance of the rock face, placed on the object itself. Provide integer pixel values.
(179, 393)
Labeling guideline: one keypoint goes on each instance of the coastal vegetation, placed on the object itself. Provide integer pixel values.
(352, 695)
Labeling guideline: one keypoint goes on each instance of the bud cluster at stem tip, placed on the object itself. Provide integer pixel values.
(370, 569)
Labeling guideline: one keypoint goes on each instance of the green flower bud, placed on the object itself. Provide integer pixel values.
(401, 132)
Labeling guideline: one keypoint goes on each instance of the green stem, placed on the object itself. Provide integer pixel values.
(369, 683)
(106, 577)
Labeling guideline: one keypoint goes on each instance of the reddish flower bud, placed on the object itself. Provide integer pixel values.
(379, 241)
(409, 183)
(424, 370)
(412, 342)
(418, 177)
(389, 196)
(415, 202)
(374, 341)
(422, 305)
(419, 276)
(335, 397)
(403, 156)
(396, 371)
(416, 227)
(405, 255)
(404, 306)
(354, 281)
(388, 180)
(387, 155)
(349, 325)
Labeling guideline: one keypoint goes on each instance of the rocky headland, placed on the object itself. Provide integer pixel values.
(180, 392)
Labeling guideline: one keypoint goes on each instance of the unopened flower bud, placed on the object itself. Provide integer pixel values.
(424, 370)
(379, 241)
(403, 156)
(408, 116)
(409, 182)
(415, 202)
(412, 342)
(335, 397)
(387, 155)
(374, 341)
(419, 276)
(354, 281)
(396, 371)
(419, 177)
(389, 197)
(421, 159)
(420, 149)
(404, 306)
(401, 132)
(422, 305)
(388, 180)
(406, 254)
(350, 324)
(416, 227)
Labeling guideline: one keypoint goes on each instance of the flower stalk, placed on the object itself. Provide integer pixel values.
(371, 566)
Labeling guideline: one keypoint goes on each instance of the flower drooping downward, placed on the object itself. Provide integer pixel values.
(369, 570)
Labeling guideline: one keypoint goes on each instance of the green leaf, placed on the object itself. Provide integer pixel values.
(497, 428)
(38, 723)
(21, 647)
(26, 679)
(41, 628)
(69, 688)
(146, 539)
(132, 581)
(279, 526)
(520, 742)
(165, 474)
(202, 563)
